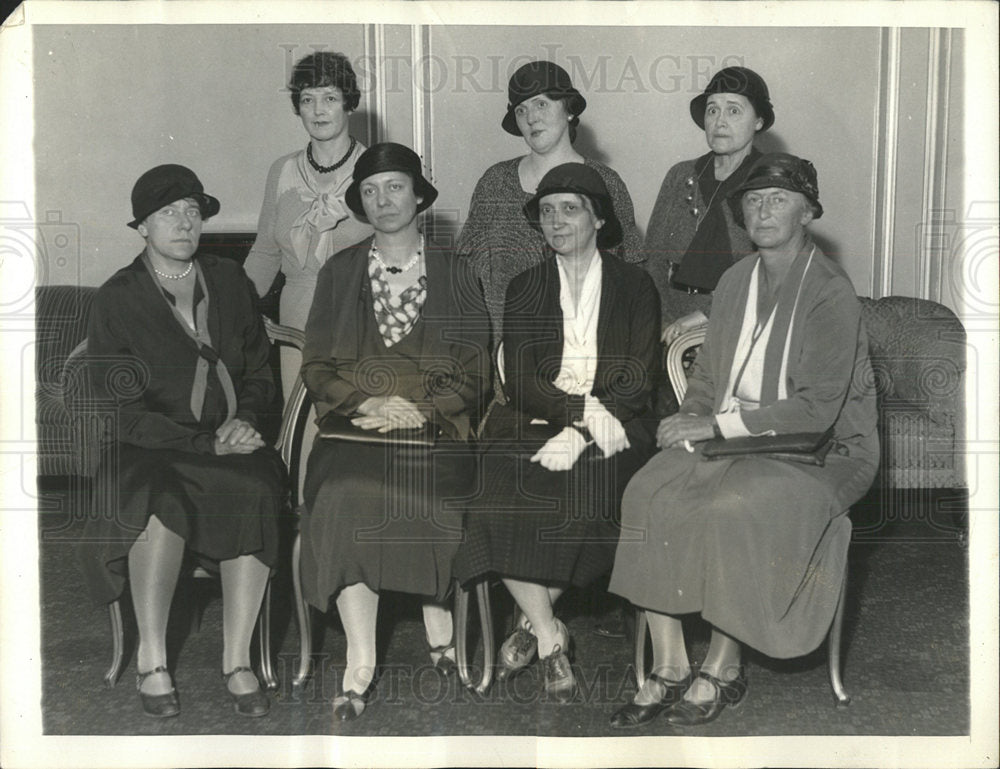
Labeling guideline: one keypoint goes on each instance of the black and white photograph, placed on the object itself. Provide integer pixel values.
(499, 383)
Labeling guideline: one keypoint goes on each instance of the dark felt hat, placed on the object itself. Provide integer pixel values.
(163, 185)
(580, 179)
(389, 156)
(779, 169)
(533, 79)
(736, 80)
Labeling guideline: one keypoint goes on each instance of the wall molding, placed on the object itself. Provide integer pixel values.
(423, 114)
(375, 98)
(885, 156)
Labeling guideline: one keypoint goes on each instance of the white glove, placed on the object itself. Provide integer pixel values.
(607, 431)
(696, 319)
(561, 451)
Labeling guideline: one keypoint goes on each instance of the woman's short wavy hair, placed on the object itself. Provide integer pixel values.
(325, 69)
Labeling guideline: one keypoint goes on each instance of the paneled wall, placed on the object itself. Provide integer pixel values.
(878, 111)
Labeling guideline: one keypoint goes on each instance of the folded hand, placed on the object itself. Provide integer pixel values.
(561, 451)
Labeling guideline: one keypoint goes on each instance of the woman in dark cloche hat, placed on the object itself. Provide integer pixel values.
(543, 108)
(176, 346)
(396, 346)
(693, 236)
(580, 355)
(756, 543)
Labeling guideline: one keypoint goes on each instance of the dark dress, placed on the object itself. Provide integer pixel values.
(500, 242)
(550, 527)
(388, 515)
(142, 364)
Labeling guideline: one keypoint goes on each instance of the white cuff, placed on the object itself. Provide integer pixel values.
(731, 425)
(592, 407)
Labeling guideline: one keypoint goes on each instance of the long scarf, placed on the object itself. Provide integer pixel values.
(710, 252)
(207, 354)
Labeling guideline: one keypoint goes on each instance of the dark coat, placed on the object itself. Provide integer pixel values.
(455, 356)
(629, 365)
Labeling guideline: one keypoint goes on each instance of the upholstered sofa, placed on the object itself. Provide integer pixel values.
(917, 349)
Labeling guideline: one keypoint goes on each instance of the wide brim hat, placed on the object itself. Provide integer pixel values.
(163, 185)
(738, 80)
(536, 78)
(580, 179)
(389, 156)
(788, 172)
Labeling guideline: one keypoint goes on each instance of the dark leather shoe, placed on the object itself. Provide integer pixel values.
(252, 704)
(157, 705)
(516, 652)
(350, 705)
(444, 664)
(687, 713)
(560, 683)
(633, 715)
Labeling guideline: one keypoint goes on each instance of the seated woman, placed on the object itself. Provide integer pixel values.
(174, 340)
(757, 545)
(581, 353)
(397, 337)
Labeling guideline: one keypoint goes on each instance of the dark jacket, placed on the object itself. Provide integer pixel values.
(455, 355)
(629, 365)
(139, 357)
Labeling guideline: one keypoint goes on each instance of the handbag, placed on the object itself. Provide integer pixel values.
(339, 427)
(804, 448)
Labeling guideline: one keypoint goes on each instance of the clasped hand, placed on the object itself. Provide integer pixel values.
(676, 429)
(605, 428)
(236, 436)
(387, 413)
(561, 451)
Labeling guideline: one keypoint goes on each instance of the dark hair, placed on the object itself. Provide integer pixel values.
(571, 104)
(325, 69)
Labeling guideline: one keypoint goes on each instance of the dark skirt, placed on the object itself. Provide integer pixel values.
(533, 524)
(222, 506)
(387, 515)
(757, 546)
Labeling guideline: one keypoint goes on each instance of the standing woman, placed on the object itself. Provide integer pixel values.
(757, 545)
(544, 109)
(581, 355)
(304, 220)
(693, 236)
(397, 337)
(175, 342)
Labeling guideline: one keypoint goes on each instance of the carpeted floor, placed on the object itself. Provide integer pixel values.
(906, 656)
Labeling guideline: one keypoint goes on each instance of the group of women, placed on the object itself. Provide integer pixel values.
(531, 354)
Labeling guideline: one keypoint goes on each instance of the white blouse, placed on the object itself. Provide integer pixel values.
(579, 353)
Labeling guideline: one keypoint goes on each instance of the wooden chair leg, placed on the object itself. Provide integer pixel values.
(264, 636)
(833, 642)
(486, 624)
(461, 618)
(302, 612)
(640, 647)
(117, 644)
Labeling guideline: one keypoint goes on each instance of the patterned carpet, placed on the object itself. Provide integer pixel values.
(906, 657)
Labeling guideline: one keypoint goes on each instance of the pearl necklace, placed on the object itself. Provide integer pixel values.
(374, 252)
(327, 169)
(184, 274)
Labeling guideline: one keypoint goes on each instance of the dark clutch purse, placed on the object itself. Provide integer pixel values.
(805, 448)
(339, 427)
